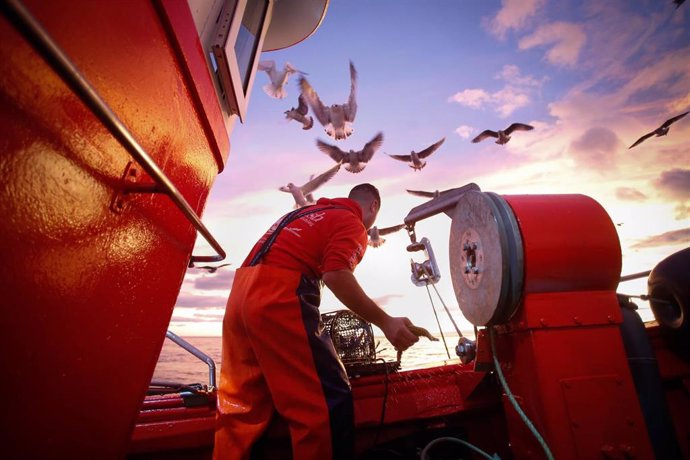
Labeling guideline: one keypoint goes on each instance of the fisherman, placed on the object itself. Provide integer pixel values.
(275, 355)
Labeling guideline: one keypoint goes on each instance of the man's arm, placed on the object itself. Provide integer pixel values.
(346, 288)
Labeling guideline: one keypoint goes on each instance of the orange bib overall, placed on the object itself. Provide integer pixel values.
(276, 356)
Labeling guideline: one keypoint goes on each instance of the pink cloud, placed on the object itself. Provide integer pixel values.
(596, 148)
(675, 185)
(665, 239)
(200, 301)
(566, 41)
(514, 94)
(474, 98)
(218, 280)
(464, 131)
(190, 315)
(630, 194)
(513, 15)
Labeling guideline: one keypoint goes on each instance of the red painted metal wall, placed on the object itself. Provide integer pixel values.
(87, 292)
(562, 352)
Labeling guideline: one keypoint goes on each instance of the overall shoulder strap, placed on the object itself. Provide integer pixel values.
(296, 214)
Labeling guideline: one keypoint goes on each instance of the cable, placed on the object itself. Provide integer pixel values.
(385, 402)
(457, 329)
(443, 337)
(425, 451)
(515, 404)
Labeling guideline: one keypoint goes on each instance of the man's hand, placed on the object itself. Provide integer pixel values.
(397, 331)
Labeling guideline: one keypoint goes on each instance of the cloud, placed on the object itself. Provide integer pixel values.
(630, 194)
(566, 40)
(474, 98)
(200, 301)
(194, 315)
(513, 15)
(218, 280)
(671, 238)
(509, 99)
(384, 299)
(515, 93)
(596, 148)
(464, 131)
(674, 184)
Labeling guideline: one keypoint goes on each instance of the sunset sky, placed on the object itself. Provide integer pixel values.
(591, 76)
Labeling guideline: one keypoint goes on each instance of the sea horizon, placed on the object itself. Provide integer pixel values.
(177, 365)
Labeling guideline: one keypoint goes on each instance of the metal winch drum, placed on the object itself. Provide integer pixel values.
(504, 247)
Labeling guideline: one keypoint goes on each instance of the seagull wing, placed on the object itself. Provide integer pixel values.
(302, 106)
(668, 122)
(389, 230)
(370, 148)
(484, 134)
(331, 150)
(319, 180)
(518, 127)
(267, 66)
(431, 149)
(421, 193)
(321, 112)
(407, 158)
(640, 140)
(351, 106)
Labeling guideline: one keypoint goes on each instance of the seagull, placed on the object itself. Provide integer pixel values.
(210, 268)
(338, 118)
(661, 130)
(502, 136)
(276, 88)
(375, 234)
(300, 113)
(678, 3)
(354, 161)
(415, 159)
(301, 192)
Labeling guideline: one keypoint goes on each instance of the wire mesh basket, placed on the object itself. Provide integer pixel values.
(353, 339)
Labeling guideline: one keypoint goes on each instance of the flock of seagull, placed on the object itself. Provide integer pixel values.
(337, 121)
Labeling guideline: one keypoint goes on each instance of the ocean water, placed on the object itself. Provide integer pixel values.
(177, 365)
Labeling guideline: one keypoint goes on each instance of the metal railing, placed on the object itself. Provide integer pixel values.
(44, 44)
(199, 354)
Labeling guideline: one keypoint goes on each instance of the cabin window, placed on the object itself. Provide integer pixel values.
(248, 39)
(232, 34)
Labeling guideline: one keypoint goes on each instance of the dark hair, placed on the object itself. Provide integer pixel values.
(363, 191)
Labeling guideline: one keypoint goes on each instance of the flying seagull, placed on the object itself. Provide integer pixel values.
(415, 158)
(210, 268)
(338, 118)
(354, 161)
(300, 113)
(301, 192)
(375, 234)
(279, 78)
(661, 130)
(502, 137)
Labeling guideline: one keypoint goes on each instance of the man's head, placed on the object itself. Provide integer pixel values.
(367, 196)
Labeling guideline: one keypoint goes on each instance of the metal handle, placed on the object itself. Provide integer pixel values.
(32, 30)
(199, 354)
(444, 203)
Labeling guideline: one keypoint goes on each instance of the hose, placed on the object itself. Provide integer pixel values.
(513, 401)
(425, 452)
